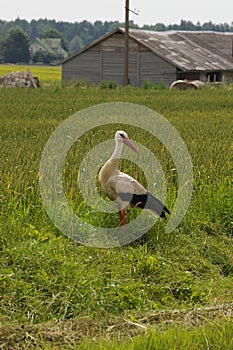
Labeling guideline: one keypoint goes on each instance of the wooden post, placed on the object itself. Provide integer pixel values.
(126, 48)
(32, 79)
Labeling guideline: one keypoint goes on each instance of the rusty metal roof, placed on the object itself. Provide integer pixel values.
(189, 50)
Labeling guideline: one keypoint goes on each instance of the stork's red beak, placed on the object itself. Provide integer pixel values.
(130, 145)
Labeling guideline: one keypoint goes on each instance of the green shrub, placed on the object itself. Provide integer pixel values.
(149, 85)
(108, 84)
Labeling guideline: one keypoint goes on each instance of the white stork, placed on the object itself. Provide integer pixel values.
(122, 188)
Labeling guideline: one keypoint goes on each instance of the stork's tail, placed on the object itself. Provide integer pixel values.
(146, 201)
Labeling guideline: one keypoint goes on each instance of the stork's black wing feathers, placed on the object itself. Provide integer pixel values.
(145, 201)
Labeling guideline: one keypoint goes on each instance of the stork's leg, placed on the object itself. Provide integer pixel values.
(122, 218)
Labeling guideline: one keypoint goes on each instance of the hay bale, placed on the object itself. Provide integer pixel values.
(186, 84)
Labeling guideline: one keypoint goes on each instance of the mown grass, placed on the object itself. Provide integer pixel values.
(48, 280)
(71, 335)
(215, 336)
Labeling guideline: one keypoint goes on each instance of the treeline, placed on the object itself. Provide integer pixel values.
(17, 36)
(76, 35)
(79, 34)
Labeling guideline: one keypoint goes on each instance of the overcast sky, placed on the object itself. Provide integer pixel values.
(150, 11)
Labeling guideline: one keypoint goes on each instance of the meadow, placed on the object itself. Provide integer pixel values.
(163, 291)
(50, 73)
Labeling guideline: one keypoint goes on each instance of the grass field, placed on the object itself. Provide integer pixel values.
(49, 73)
(165, 291)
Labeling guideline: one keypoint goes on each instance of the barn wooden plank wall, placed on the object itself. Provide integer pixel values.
(154, 68)
(105, 61)
(84, 67)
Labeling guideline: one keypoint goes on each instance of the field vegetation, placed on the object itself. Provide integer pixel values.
(45, 75)
(164, 291)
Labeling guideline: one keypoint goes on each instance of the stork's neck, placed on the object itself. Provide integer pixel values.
(117, 151)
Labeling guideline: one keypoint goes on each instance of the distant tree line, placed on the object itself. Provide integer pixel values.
(15, 36)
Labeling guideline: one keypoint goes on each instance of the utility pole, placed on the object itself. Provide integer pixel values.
(126, 48)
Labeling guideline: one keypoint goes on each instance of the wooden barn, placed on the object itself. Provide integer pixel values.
(156, 56)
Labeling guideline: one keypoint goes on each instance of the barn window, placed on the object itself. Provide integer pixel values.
(191, 75)
(180, 75)
(212, 77)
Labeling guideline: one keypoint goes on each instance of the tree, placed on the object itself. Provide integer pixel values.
(44, 57)
(16, 47)
(76, 44)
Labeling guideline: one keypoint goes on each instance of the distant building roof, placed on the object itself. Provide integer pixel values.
(51, 45)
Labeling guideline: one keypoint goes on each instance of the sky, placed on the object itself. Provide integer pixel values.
(150, 11)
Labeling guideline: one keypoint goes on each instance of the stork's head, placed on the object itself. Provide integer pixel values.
(122, 136)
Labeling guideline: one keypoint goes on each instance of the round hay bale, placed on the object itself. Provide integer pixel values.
(185, 84)
(197, 83)
(180, 84)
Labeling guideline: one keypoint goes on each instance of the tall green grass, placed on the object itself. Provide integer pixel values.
(46, 277)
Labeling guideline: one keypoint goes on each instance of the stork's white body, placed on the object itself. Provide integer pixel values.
(113, 182)
(117, 185)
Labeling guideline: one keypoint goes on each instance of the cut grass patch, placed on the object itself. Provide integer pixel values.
(202, 328)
